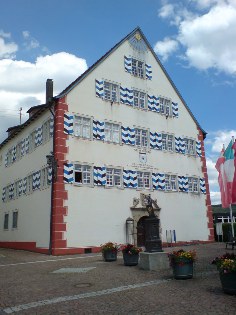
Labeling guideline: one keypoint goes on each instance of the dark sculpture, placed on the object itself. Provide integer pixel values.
(149, 207)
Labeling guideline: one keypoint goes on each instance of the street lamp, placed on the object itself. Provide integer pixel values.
(52, 163)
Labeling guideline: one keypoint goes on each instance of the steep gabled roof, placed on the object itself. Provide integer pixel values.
(98, 62)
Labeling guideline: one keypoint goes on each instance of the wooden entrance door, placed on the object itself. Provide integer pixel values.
(141, 232)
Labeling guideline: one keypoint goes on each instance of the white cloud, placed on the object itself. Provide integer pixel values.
(166, 47)
(222, 137)
(22, 84)
(215, 197)
(7, 50)
(5, 35)
(207, 39)
(30, 42)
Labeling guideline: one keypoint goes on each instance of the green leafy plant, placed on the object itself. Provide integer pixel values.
(181, 257)
(130, 249)
(109, 246)
(225, 263)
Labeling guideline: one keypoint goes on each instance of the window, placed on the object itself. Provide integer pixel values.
(143, 179)
(171, 182)
(141, 137)
(15, 219)
(165, 106)
(9, 156)
(82, 127)
(139, 99)
(18, 191)
(32, 141)
(30, 183)
(190, 146)
(46, 131)
(137, 68)
(193, 185)
(167, 142)
(113, 177)
(6, 221)
(82, 174)
(111, 92)
(18, 151)
(112, 132)
(44, 178)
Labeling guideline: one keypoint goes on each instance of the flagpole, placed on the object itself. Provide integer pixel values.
(231, 219)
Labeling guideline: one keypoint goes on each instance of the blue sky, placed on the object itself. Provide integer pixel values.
(194, 39)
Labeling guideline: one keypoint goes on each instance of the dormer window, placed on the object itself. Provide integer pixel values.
(137, 68)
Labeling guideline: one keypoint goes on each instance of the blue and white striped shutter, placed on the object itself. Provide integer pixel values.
(128, 64)
(128, 135)
(153, 144)
(68, 123)
(99, 87)
(156, 104)
(160, 181)
(14, 153)
(36, 180)
(150, 102)
(24, 189)
(68, 173)
(123, 95)
(129, 97)
(99, 176)
(130, 179)
(27, 145)
(98, 130)
(38, 136)
(175, 109)
(11, 191)
(179, 145)
(51, 124)
(20, 187)
(183, 183)
(4, 194)
(154, 181)
(198, 148)
(148, 69)
(22, 151)
(49, 175)
(202, 186)
(159, 141)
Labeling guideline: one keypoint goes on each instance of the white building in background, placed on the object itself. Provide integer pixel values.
(118, 132)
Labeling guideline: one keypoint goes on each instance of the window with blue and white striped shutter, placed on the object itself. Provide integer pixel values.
(14, 153)
(38, 136)
(99, 88)
(4, 194)
(20, 187)
(155, 140)
(128, 135)
(99, 176)
(153, 103)
(148, 69)
(36, 180)
(183, 183)
(68, 173)
(158, 181)
(98, 130)
(11, 191)
(202, 185)
(198, 148)
(68, 123)
(175, 109)
(130, 179)
(24, 188)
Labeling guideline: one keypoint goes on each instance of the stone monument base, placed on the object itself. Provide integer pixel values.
(154, 261)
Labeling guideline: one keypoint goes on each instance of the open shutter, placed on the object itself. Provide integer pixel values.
(130, 179)
(99, 176)
(4, 194)
(36, 180)
(99, 86)
(14, 153)
(98, 130)
(128, 135)
(179, 145)
(148, 69)
(202, 186)
(68, 173)
(175, 109)
(160, 181)
(183, 183)
(128, 64)
(68, 123)
(38, 136)
(198, 148)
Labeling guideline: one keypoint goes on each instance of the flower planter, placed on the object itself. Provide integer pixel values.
(183, 270)
(109, 255)
(228, 282)
(130, 259)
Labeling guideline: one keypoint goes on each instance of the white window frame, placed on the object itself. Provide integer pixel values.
(136, 70)
(193, 184)
(114, 177)
(29, 189)
(165, 106)
(141, 98)
(143, 180)
(171, 182)
(86, 174)
(32, 145)
(82, 126)
(111, 89)
(46, 131)
(168, 142)
(18, 151)
(8, 219)
(190, 146)
(16, 189)
(9, 156)
(44, 178)
(15, 226)
(141, 139)
(112, 130)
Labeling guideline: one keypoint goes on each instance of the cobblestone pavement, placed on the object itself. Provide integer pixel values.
(29, 285)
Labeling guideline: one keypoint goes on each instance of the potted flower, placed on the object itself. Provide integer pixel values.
(226, 264)
(182, 263)
(130, 254)
(109, 251)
